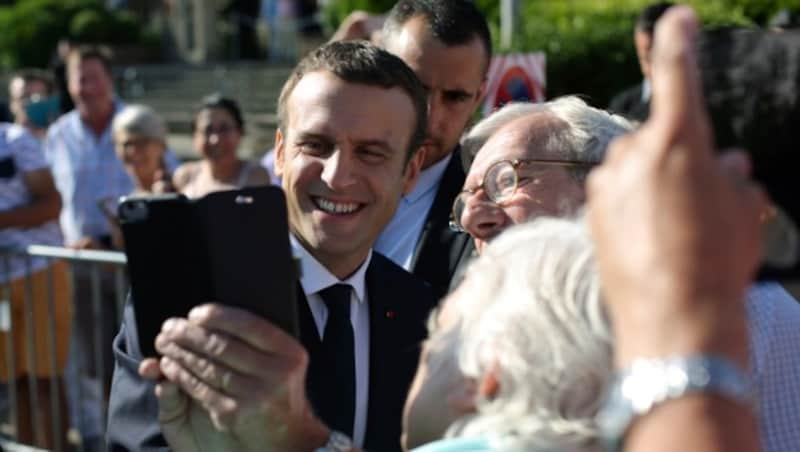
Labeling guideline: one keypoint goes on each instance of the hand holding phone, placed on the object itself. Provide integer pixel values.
(230, 247)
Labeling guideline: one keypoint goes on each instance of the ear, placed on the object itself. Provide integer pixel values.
(488, 386)
(412, 170)
(280, 152)
(462, 397)
(481, 92)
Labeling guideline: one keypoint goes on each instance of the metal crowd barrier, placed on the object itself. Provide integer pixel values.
(97, 289)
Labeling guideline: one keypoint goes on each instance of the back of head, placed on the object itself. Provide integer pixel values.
(362, 63)
(454, 22)
(646, 21)
(141, 121)
(530, 310)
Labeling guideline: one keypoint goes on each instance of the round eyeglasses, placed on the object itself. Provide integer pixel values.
(500, 182)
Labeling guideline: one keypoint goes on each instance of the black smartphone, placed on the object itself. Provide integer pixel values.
(751, 83)
(230, 247)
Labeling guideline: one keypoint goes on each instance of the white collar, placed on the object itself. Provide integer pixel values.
(315, 277)
(647, 90)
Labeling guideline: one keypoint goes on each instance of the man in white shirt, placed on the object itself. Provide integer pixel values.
(344, 163)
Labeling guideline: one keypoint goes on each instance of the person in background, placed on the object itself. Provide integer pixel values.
(33, 100)
(140, 139)
(217, 131)
(29, 207)
(634, 102)
(88, 173)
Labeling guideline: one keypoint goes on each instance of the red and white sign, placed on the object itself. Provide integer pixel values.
(516, 77)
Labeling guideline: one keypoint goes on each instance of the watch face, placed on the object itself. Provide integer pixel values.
(338, 442)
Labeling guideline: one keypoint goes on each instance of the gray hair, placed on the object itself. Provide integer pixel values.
(530, 310)
(140, 120)
(585, 138)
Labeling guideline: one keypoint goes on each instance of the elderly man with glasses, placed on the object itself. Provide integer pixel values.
(532, 162)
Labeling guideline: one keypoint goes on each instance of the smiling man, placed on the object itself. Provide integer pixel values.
(345, 163)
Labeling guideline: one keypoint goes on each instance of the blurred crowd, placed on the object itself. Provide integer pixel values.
(552, 277)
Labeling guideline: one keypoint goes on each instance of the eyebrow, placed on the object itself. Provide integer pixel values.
(382, 144)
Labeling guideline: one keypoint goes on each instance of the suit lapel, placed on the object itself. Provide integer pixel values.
(396, 331)
(439, 249)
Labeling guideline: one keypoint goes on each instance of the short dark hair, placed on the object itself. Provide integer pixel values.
(216, 100)
(92, 52)
(29, 75)
(363, 63)
(647, 19)
(454, 22)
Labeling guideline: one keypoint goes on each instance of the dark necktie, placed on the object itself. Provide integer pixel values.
(338, 399)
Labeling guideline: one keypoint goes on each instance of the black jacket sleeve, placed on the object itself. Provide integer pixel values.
(133, 407)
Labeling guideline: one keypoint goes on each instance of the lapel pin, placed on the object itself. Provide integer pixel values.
(390, 314)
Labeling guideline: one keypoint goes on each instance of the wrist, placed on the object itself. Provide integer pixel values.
(315, 435)
(677, 328)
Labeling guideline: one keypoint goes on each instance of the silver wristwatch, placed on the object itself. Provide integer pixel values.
(650, 382)
(337, 442)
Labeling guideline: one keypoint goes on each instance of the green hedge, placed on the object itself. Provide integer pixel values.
(32, 28)
(589, 43)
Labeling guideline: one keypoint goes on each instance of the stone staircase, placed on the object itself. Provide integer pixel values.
(174, 91)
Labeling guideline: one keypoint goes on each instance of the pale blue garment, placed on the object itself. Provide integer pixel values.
(774, 323)
(456, 445)
(399, 238)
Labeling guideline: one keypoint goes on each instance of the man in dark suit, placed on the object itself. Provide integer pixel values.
(227, 377)
(448, 45)
(634, 102)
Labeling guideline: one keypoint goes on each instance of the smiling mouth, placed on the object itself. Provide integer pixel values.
(335, 208)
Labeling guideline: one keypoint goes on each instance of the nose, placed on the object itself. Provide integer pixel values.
(337, 172)
(483, 219)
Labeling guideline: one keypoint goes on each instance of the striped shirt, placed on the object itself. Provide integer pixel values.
(20, 153)
(774, 323)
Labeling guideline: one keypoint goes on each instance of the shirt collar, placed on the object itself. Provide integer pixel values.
(647, 90)
(82, 130)
(428, 179)
(315, 277)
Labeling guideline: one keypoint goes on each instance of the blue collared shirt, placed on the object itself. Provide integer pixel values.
(399, 238)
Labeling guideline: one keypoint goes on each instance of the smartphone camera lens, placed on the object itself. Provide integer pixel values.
(133, 211)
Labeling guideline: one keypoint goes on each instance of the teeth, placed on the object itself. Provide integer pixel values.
(332, 207)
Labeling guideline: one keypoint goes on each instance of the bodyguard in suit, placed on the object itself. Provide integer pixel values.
(351, 118)
(448, 45)
(634, 102)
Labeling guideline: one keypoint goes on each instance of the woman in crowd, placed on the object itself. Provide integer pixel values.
(140, 139)
(217, 131)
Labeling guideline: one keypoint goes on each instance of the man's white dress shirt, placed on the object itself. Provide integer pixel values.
(315, 277)
(399, 238)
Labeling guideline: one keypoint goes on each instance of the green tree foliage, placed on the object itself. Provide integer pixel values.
(589, 43)
(32, 28)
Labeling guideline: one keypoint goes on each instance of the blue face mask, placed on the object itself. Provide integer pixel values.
(42, 111)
